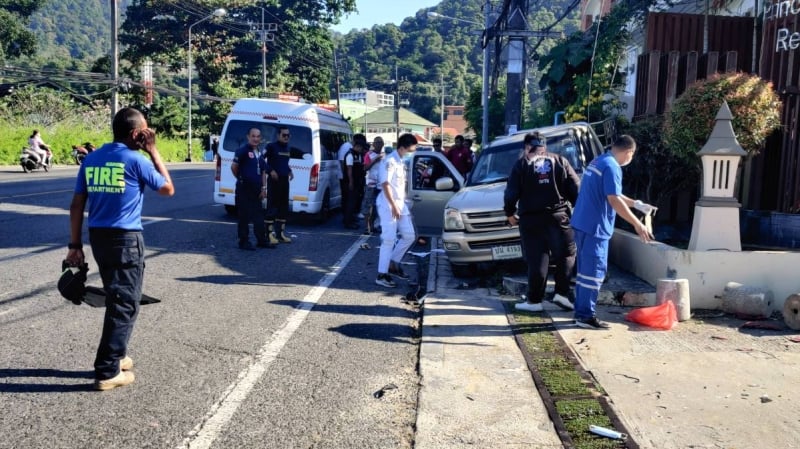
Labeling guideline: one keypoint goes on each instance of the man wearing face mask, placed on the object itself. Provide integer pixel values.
(541, 188)
(600, 201)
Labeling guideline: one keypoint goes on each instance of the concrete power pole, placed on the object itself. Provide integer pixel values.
(114, 59)
(516, 52)
(396, 105)
(338, 85)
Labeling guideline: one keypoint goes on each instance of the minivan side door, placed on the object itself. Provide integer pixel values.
(425, 168)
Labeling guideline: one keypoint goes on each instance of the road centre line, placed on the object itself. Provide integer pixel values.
(221, 412)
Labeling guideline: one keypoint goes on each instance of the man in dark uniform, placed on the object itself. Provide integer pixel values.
(354, 179)
(278, 156)
(113, 179)
(546, 186)
(248, 168)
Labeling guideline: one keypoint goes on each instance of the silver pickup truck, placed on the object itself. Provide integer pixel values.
(470, 212)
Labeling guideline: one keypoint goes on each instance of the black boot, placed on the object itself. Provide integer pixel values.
(280, 231)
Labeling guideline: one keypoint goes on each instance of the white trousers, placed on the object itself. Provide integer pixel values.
(392, 248)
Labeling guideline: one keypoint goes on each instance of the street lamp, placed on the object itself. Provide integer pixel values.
(219, 12)
(485, 87)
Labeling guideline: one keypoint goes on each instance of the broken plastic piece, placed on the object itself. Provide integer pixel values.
(379, 394)
(608, 433)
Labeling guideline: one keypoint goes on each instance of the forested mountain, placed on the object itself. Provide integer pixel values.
(428, 50)
(72, 34)
(422, 51)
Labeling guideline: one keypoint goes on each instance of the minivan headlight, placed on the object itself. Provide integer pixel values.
(452, 220)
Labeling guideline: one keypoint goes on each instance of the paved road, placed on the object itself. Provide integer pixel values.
(280, 348)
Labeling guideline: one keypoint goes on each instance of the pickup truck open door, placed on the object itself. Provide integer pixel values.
(432, 180)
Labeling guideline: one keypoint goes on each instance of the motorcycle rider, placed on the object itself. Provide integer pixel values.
(41, 150)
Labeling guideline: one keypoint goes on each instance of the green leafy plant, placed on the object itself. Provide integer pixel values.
(581, 73)
(656, 172)
(753, 102)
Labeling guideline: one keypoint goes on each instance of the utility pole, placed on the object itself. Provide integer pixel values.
(396, 105)
(266, 34)
(338, 86)
(516, 50)
(441, 126)
(517, 33)
(114, 59)
(485, 88)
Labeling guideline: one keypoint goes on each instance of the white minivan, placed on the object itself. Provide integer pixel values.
(316, 135)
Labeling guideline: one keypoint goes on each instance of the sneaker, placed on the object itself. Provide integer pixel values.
(529, 307)
(120, 380)
(398, 272)
(385, 280)
(247, 246)
(591, 323)
(563, 302)
(126, 364)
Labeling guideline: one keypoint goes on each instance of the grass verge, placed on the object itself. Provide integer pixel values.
(573, 398)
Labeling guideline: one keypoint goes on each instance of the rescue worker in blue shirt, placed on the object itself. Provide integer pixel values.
(600, 201)
(249, 167)
(113, 179)
(545, 186)
(278, 155)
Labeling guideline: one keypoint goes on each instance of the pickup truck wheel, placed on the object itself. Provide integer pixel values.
(231, 210)
(462, 270)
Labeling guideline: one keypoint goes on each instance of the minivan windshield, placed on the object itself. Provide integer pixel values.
(236, 136)
(496, 161)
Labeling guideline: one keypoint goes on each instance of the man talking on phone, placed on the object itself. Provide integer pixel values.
(112, 180)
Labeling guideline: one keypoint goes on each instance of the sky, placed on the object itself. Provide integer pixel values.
(372, 12)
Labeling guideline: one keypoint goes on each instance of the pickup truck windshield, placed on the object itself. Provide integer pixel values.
(494, 165)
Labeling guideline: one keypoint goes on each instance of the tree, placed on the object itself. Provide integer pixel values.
(15, 39)
(473, 114)
(580, 72)
(754, 104)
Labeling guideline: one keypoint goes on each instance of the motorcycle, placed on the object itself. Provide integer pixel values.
(79, 152)
(29, 160)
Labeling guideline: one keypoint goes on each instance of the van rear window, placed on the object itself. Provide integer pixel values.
(236, 136)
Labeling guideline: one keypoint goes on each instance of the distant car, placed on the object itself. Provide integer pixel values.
(475, 227)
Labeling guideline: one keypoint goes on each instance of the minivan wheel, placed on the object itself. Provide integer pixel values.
(325, 209)
(231, 210)
(462, 270)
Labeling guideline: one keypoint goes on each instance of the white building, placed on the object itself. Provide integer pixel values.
(373, 98)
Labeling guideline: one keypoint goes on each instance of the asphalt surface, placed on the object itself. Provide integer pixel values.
(298, 348)
(276, 348)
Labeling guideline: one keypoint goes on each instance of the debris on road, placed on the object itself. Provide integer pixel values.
(608, 433)
(379, 394)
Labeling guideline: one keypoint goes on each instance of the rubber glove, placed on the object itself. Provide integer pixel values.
(644, 208)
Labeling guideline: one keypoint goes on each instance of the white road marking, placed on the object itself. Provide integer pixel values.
(221, 412)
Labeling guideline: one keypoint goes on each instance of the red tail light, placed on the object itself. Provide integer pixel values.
(313, 180)
(218, 171)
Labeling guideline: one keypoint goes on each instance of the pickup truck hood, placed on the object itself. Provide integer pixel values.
(482, 198)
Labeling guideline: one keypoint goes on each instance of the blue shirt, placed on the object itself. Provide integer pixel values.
(593, 213)
(278, 158)
(114, 177)
(250, 164)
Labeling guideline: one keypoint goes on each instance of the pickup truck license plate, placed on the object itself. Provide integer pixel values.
(506, 252)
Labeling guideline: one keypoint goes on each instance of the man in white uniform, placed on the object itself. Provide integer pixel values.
(394, 213)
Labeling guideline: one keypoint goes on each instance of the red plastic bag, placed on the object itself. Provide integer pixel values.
(662, 317)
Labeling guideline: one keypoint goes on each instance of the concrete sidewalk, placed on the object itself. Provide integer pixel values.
(708, 383)
(476, 389)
